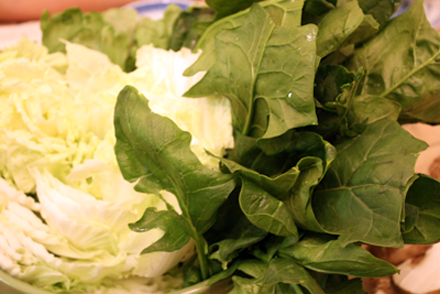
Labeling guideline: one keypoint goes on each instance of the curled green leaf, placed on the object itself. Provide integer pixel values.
(324, 253)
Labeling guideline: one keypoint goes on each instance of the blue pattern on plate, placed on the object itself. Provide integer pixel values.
(157, 6)
(155, 9)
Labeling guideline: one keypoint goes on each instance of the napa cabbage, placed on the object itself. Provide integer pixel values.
(65, 207)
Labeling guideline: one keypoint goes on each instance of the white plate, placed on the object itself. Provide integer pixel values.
(10, 34)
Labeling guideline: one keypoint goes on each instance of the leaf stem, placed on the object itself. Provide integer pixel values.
(248, 122)
(200, 244)
(411, 73)
(204, 266)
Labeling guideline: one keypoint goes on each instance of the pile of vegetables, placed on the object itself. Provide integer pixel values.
(274, 149)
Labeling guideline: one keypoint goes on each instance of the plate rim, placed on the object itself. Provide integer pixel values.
(146, 6)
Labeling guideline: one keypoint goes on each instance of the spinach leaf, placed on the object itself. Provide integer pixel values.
(330, 81)
(411, 214)
(243, 235)
(157, 32)
(314, 156)
(249, 67)
(283, 153)
(266, 211)
(271, 246)
(335, 87)
(340, 88)
(152, 151)
(312, 170)
(115, 32)
(278, 185)
(281, 275)
(282, 12)
(285, 195)
(177, 233)
(227, 239)
(258, 199)
(323, 253)
(225, 7)
(381, 10)
(369, 109)
(413, 80)
(342, 26)
(88, 29)
(364, 184)
(189, 26)
(423, 195)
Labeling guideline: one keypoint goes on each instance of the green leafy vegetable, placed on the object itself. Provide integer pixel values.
(281, 275)
(189, 27)
(261, 83)
(412, 81)
(118, 33)
(370, 164)
(422, 196)
(323, 253)
(88, 29)
(265, 211)
(318, 162)
(176, 232)
(299, 202)
(225, 8)
(342, 26)
(242, 236)
(380, 10)
(158, 32)
(154, 152)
